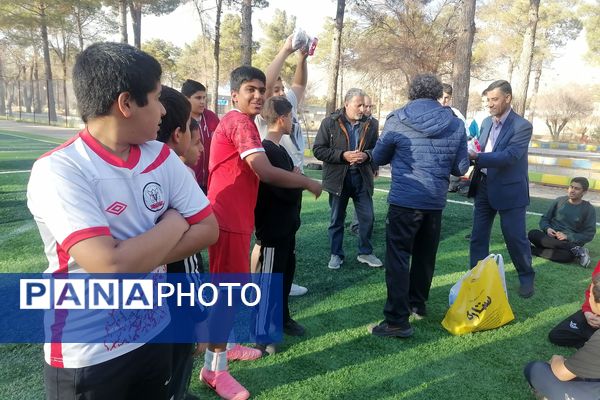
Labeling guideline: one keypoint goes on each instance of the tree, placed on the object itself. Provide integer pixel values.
(231, 34)
(276, 32)
(411, 37)
(564, 105)
(167, 55)
(591, 16)
(123, 20)
(526, 59)
(88, 20)
(335, 57)
(503, 24)
(461, 70)
(22, 16)
(246, 42)
(190, 65)
(216, 56)
(153, 7)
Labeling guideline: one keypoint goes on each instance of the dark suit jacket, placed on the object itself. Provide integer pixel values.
(507, 180)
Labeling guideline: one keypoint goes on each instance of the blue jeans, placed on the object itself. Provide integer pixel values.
(354, 188)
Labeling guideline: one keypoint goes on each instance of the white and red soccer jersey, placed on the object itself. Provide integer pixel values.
(79, 191)
(232, 184)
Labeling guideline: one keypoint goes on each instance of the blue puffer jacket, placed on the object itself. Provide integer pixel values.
(425, 143)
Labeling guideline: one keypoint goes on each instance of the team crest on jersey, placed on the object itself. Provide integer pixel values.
(153, 197)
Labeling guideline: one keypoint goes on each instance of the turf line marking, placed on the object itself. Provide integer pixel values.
(26, 227)
(22, 171)
(31, 138)
(467, 203)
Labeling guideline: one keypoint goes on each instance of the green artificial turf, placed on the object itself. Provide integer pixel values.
(338, 358)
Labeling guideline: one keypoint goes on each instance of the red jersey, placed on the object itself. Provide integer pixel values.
(586, 304)
(232, 184)
(208, 124)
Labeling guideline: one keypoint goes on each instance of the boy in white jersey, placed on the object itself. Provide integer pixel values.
(114, 200)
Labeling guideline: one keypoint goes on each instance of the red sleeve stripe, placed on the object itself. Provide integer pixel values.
(60, 316)
(62, 146)
(83, 234)
(205, 212)
(162, 156)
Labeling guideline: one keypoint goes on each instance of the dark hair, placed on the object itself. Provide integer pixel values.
(274, 108)
(105, 70)
(447, 88)
(194, 125)
(503, 85)
(178, 110)
(425, 86)
(243, 74)
(484, 93)
(190, 87)
(585, 184)
(596, 287)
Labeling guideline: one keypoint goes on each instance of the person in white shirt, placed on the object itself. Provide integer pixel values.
(114, 200)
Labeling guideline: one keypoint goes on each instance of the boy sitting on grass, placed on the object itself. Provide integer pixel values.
(575, 377)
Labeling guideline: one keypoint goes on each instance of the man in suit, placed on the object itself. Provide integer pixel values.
(500, 184)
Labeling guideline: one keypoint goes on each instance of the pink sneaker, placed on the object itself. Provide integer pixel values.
(224, 384)
(243, 353)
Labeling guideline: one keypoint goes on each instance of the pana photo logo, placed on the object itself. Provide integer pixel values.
(74, 294)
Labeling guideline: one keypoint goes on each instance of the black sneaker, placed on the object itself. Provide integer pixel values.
(386, 330)
(526, 291)
(292, 328)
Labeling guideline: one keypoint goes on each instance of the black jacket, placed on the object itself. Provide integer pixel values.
(330, 144)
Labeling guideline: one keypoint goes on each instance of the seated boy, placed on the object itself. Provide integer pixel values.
(237, 163)
(114, 200)
(576, 329)
(575, 377)
(566, 227)
(277, 211)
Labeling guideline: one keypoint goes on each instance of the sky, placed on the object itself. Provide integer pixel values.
(310, 15)
(568, 66)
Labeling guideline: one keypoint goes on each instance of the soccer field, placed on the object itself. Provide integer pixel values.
(338, 358)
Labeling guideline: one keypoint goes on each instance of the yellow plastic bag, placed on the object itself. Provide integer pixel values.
(481, 303)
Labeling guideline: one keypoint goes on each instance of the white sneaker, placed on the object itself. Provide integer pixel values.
(584, 258)
(298, 290)
(369, 259)
(335, 262)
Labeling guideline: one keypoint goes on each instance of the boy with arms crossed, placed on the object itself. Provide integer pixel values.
(113, 200)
